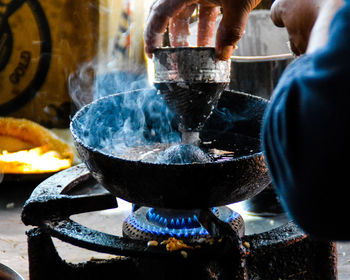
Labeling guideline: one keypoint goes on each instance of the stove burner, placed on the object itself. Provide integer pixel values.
(157, 224)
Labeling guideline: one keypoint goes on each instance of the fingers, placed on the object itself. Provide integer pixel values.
(158, 20)
(230, 30)
(276, 14)
(153, 37)
(207, 24)
(179, 27)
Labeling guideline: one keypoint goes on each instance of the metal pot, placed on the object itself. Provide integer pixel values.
(261, 57)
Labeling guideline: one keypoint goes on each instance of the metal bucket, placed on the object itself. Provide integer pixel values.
(256, 66)
(262, 55)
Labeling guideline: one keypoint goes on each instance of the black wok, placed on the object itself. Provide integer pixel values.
(233, 126)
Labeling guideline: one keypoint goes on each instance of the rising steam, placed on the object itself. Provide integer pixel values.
(125, 112)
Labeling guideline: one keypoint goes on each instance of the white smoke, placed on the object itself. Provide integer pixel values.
(104, 76)
(136, 117)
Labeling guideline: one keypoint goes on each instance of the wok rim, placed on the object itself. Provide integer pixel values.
(79, 141)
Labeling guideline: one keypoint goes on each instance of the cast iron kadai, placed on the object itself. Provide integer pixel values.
(236, 120)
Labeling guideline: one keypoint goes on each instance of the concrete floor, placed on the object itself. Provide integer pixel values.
(13, 244)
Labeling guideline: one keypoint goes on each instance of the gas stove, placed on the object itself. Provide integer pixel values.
(209, 243)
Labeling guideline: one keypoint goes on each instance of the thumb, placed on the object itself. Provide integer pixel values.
(230, 31)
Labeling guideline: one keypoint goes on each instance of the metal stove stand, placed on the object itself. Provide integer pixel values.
(283, 253)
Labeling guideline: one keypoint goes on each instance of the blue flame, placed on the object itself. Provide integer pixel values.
(168, 226)
(179, 224)
(189, 221)
(233, 217)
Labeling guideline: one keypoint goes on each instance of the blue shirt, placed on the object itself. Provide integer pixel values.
(306, 136)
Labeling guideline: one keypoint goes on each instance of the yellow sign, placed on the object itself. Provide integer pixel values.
(41, 43)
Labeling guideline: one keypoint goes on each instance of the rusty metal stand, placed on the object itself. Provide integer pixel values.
(287, 253)
(45, 263)
(283, 253)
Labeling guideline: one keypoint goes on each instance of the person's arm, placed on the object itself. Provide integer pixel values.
(305, 135)
(320, 30)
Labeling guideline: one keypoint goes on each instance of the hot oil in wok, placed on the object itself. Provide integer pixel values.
(183, 154)
(218, 150)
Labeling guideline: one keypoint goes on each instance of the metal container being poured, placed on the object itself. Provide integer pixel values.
(191, 81)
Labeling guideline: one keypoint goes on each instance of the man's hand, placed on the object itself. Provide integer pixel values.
(303, 18)
(298, 16)
(177, 13)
